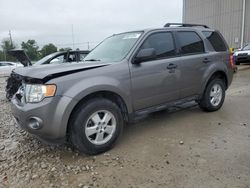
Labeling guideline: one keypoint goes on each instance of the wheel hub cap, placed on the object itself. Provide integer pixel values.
(216, 95)
(100, 127)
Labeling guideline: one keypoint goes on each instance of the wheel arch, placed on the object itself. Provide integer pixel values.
(217, 74)
(110, 95)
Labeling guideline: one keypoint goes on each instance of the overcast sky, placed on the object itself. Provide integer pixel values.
(50, 21)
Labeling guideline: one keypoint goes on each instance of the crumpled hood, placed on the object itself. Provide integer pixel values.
(47, 72)
(21, 56)
(242, 52)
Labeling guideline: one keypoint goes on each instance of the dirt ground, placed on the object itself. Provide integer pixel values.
(182, 147)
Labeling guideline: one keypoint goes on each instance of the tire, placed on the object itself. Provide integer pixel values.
(8, 96)
(84, 135)
(206, 103)
(237, 63)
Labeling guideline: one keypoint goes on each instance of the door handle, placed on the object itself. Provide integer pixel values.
(206, 60)
(171, 66)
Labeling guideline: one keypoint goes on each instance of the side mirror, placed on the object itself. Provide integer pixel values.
(145, 55)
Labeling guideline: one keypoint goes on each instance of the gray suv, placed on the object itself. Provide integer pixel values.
(126, 76)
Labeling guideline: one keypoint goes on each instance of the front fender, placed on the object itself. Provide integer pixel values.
(88, 86)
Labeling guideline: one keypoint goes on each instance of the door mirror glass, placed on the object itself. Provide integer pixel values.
(145, 55)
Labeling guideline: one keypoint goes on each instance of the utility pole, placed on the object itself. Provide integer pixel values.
(73, 38)
(243, 24)
(11, 42)
(4, 52)
(88, 45)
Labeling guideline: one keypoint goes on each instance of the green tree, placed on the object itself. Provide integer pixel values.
(31, 48)
(64, 49)
(6, 45)
(48, 49)
(2, 56)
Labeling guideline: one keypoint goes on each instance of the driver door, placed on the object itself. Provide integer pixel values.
(155, 81)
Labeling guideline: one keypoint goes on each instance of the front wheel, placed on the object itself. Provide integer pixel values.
(214, 95)
(96, 126)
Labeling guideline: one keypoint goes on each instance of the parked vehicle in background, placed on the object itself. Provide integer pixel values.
(6, 67)
(126, 76)
(63, 57)
(14, 81)
(243, 55)
(54, 58)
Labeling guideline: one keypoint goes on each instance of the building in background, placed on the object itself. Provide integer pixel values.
(230, 17)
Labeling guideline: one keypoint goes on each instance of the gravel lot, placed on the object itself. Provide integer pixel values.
(182, 147)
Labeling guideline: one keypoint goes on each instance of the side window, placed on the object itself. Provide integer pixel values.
(72, 57)
(163, 43)
(215, 40)
(190, 42)
(58, 60)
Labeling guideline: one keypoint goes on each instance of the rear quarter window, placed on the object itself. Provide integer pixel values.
(216, 41)
(190, 42)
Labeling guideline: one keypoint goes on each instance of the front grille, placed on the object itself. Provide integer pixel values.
(243, 54)
(13, 84)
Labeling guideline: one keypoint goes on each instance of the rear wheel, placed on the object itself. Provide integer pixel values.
(96, 127)
(214, 95)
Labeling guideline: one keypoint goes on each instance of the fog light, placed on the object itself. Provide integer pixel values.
(35, 123)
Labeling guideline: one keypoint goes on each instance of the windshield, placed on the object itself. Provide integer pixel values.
(114, 48)
(45, 58)
(247, 47)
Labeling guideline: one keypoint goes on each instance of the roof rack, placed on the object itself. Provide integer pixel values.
(185, 25)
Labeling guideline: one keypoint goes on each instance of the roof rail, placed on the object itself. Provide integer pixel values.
(185, 25)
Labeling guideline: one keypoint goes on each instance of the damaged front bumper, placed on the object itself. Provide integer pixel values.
(47, 119)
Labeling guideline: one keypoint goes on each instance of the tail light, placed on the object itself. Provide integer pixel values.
(232, 64)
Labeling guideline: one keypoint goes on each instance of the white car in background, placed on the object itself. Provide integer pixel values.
(6, 67)
(243, 55)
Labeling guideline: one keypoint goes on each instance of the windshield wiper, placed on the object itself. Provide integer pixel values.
(92, 60)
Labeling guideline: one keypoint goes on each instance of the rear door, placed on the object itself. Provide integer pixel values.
(193, 61)
(155, 82)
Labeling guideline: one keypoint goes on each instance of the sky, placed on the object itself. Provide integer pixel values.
(76, 23)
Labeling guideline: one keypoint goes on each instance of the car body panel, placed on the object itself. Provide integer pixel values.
(50, 116)
(143, 87)
(102, 78)
(42, 72)
(152, 83)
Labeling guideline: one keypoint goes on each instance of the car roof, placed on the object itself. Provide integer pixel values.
(176, 28)
(72, 51)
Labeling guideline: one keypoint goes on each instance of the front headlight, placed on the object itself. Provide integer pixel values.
(37, 92)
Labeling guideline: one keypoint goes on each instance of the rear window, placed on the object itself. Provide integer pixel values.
(190, 42)
(215, 40)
